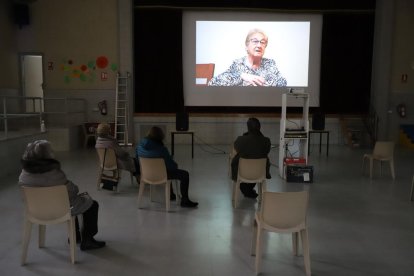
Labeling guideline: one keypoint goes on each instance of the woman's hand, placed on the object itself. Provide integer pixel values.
(253, 80)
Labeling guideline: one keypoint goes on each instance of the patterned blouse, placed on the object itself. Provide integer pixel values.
(232, 76)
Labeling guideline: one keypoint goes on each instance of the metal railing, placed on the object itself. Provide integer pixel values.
(64, 112)
(21, 116)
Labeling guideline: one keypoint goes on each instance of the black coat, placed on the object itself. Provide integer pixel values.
(251, 145)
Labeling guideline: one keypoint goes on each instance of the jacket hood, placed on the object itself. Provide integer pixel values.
(150, 144)
(40, 165)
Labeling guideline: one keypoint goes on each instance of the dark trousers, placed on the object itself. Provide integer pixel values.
(184, 179)
(247, 188)
(90, 222)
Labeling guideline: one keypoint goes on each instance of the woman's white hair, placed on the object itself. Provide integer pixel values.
(39, 149)
(255, 31)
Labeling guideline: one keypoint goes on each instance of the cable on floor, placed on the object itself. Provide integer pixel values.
(202, 142)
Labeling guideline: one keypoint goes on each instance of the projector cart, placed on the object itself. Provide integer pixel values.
(294, 133)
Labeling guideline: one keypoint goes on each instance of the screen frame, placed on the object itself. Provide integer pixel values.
(195, 95)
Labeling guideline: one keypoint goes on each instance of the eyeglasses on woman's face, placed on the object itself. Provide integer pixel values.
(255, 42)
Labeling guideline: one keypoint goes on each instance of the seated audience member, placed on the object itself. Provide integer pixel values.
(252, 145)
(42, 170)
(152, 146)
(105, 140)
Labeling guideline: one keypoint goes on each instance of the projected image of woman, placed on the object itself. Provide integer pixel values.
(253, 69)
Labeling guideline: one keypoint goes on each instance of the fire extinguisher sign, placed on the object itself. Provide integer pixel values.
(104, 76)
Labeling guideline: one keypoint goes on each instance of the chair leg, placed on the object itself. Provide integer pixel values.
(177, 190)
(261, 187)
(140, 193)
(295, 236)
(236, 186)
(72, 238)
(306, 255)
(26, 239)
(42, 235)
(392, 169)
(253, 246)
(371, 161)
(167, 195)
(258, 249)
(98, 184)
(132, 178)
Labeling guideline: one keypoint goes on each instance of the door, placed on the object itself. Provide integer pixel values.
(32, 80)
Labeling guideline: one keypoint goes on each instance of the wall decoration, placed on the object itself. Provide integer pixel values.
(104, 76)
(102, 62)
(85, 72)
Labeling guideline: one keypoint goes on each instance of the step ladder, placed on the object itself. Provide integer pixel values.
(122, 110)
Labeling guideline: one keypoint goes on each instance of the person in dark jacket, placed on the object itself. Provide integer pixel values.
(40, 169)
(253, 144)
(152, 146)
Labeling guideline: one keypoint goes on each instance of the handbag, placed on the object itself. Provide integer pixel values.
(109, 183)
(85, 195)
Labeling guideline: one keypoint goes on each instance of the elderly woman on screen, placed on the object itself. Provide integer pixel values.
(105, 140)
(253, 69)
(42, 170)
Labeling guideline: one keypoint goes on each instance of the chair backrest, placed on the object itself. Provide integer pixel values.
(153, 170)
(47, 204)
(89, 129)
(384, 149)
(252, 169)
(204, 72)
(284, 210)
(107, 155)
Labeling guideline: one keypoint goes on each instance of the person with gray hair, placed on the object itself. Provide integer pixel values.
(41, 169)
(253, 144)
(105, 140)
(253, 69)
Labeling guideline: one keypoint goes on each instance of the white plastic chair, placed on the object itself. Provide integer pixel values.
(383, 152)
(282, 213)
(249, 171)
(89, 131)
(154, 172)
(46, 206)
(108, 163)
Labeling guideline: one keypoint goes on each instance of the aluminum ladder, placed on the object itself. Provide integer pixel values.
(122, 110)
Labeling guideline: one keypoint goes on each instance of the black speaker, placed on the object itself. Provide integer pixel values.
(318, 121)
(181, 121)
(21, 14)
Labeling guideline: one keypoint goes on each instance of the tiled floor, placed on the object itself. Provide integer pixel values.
(357, 226)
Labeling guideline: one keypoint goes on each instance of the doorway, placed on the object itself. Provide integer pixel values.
(31, 76)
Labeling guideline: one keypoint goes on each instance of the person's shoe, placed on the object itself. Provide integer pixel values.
(173, 196)
(186, 203)
(101, 243)
(91, 244)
